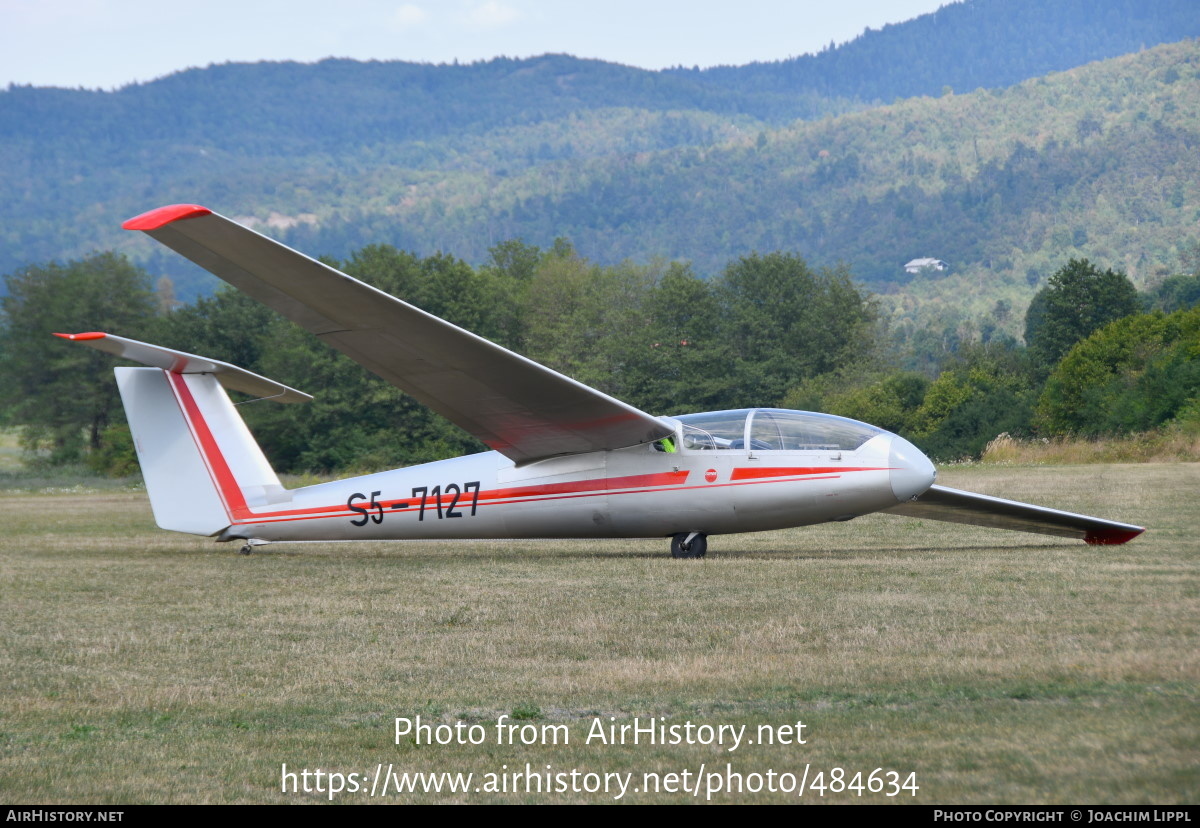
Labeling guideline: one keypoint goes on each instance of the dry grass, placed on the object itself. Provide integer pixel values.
(141, 666)
(1170, 445)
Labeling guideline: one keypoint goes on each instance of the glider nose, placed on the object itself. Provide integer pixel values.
(912, 473)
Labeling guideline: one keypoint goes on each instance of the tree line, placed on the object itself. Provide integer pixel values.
(769, 330)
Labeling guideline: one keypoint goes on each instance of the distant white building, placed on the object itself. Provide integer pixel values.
(917, 265)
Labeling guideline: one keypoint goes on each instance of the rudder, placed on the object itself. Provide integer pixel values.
(202, 467)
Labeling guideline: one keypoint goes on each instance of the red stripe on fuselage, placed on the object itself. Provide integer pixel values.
(502, 497)
(505, 497)
(804, 471)
(632, 484)
(596, 484)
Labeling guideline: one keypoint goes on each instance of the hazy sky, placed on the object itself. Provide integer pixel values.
(109, 43)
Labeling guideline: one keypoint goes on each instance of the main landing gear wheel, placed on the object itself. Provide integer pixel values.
(689, 545)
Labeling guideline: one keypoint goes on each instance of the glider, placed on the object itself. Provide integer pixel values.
(567, 461)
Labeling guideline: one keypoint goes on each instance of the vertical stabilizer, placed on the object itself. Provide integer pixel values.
(203, 469)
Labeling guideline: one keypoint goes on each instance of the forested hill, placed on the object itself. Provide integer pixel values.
(459, 157)
(981, 44)
(1101, 162)
(336, 105)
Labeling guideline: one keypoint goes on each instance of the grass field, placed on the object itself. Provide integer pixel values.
(138, 666)
(10, 450)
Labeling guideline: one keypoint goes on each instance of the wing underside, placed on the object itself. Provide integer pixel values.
(516, 406)
(956, 506)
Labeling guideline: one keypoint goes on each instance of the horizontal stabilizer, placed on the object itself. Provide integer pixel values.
(179, 362)
(516, 406)
(955, 506)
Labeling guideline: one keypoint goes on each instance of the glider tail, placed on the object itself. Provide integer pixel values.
(203, 469)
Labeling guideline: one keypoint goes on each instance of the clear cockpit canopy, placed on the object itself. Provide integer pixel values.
(773, 429)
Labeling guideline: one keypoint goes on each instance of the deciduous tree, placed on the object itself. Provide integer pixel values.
(1079, 299)
(64, 396)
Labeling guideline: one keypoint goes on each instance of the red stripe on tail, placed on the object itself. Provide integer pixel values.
(227, 486)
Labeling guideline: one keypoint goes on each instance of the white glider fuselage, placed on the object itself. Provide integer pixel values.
(641, 491)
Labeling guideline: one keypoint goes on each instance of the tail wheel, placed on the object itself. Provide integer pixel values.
(689, 545)
(250, 545)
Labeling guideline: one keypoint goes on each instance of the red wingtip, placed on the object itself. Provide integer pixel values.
(1106, 537)
(165, 215)
(79, 336)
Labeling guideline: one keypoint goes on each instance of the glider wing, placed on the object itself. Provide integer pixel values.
(516, 406)
(956, 506)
